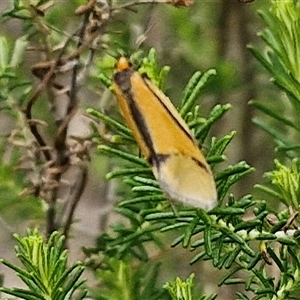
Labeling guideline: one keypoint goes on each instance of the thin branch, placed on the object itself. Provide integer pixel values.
(75, 200)
(32, 125)
(129, 5)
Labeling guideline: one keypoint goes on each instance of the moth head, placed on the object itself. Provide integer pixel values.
(122, 64)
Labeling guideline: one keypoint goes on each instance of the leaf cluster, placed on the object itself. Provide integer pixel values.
(45, 271)
(281, 59)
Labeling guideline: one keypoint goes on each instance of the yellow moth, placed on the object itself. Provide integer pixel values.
(164, 139)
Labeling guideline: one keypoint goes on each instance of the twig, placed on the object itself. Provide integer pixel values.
(33, 125)
(75, 200)
(129, 5)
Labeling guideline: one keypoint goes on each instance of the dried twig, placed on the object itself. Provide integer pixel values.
(75, 199)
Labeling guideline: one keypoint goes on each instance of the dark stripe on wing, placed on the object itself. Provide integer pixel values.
(187, 133)
(123, 81)
(160, 159)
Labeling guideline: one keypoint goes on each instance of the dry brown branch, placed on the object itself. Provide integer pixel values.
(75, 199)
(176, 3)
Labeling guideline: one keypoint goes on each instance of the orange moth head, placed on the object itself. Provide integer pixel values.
(122, 64)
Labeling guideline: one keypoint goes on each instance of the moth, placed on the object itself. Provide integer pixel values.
(164, 139)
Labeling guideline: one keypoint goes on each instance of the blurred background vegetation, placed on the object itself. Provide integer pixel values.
(34, 34)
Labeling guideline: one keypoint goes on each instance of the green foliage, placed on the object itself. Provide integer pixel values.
(19, 10)
(281, 59)
(183, 290)
(14, 88)
(286, 181)
(150, 67)
(241, 236)
(10, 191)
(45, 271)
(131, 282)
(222, 235)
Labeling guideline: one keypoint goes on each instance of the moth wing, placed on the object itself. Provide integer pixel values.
(184, 180)
(167, 130)
(165, 140)
(127, 114)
